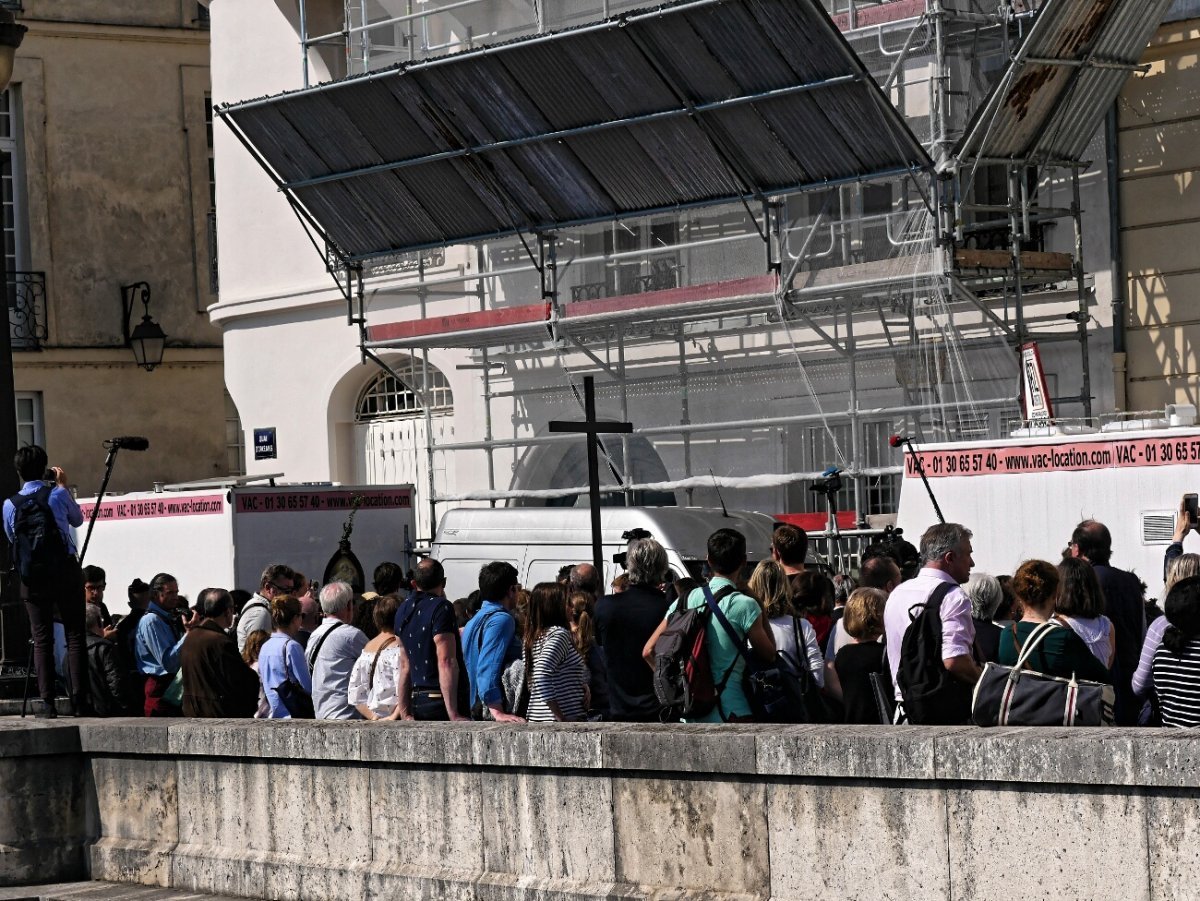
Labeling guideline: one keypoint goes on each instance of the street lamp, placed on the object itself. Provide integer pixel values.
(11, 35)
(147, 339)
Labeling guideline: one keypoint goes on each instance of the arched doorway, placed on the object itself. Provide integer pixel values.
(391, 436)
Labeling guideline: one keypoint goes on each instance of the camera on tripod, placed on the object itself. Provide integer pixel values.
(829, 484)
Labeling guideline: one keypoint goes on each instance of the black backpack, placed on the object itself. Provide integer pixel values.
(39, 551)
(932, 696)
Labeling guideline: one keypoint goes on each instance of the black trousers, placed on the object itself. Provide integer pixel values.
(64, 594)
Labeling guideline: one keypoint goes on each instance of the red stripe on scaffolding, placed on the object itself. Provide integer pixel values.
(816, 522)
(754, 285)
(881, 15)
(460, 322)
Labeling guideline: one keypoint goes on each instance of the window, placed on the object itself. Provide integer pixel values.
(12, 182)
(386, 398)
(235, 439)
(30, 429)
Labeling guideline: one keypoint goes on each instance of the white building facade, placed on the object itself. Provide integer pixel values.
(751, 404)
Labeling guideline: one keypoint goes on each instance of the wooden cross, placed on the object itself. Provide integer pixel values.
(592, 428)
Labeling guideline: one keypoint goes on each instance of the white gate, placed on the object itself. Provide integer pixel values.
(393, 452)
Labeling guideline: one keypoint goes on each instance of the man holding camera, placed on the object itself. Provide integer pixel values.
(38, 524)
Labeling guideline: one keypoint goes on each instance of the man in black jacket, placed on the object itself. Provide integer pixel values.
(624, 623)
(106, 682)
(216, 681)
(1092, 542)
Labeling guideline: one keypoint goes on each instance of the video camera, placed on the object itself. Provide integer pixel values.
(830, 482)
(628, 536)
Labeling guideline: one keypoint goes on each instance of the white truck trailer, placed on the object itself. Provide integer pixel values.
(1022, 497)
(224, 536)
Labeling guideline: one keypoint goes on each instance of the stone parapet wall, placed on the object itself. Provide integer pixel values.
(351, 810)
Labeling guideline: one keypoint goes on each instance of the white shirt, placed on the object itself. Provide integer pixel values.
(958, 629)
(378, 694)
(256, 616)
(785, 640)
(332, 667)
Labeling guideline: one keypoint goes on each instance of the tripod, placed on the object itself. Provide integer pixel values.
(829, 486)
(109, 462)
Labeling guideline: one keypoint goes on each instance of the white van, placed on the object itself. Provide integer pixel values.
(539, 541)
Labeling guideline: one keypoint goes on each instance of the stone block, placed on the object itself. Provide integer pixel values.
(1167, 757)
(1025, 841)
(124, 860)
(560, 745)
(136, 798)
(443, 744)
(857, 840)
(215, 869)
(43, 828)
(691, 833)
(428, 818)
(849, 752)
(41, 800)
(290, 739)
(226, 804)
(29, 738)
(1173, 835)
(134, 735)
(548, 825)
(681, 748)
(1074, 756)
(319, 812)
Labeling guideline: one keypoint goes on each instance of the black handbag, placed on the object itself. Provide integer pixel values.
(297, 701)
(782, 692)
(1019, 696)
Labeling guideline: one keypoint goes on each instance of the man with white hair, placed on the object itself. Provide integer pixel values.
(624, 623)
(332, 650)
(937, 591)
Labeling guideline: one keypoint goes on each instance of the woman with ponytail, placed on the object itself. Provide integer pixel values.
(1177, 660)
(581, 611)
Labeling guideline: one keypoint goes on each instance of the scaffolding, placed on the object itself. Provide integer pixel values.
(886, 302)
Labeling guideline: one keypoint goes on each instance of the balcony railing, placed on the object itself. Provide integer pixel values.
(27, 310)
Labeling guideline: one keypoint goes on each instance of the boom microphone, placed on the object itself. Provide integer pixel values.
(128, 442)
(897, 440)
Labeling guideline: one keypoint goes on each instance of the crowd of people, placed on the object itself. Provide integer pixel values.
(831, 648)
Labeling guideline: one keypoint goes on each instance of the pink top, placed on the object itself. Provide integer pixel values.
(958, 629)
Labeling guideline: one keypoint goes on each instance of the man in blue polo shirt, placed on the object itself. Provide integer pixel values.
(159, 640)
(431, 682)
(490, 642)
(63, 590)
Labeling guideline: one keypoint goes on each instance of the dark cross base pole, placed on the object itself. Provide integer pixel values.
(593, 428)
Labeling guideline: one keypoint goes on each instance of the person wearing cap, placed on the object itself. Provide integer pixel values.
(139, 602)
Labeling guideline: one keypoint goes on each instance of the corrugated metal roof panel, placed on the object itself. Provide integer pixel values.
(701, 101)
(1042, 110)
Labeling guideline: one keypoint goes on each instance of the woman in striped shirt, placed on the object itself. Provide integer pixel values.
(1177, 661)
(556, 673)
